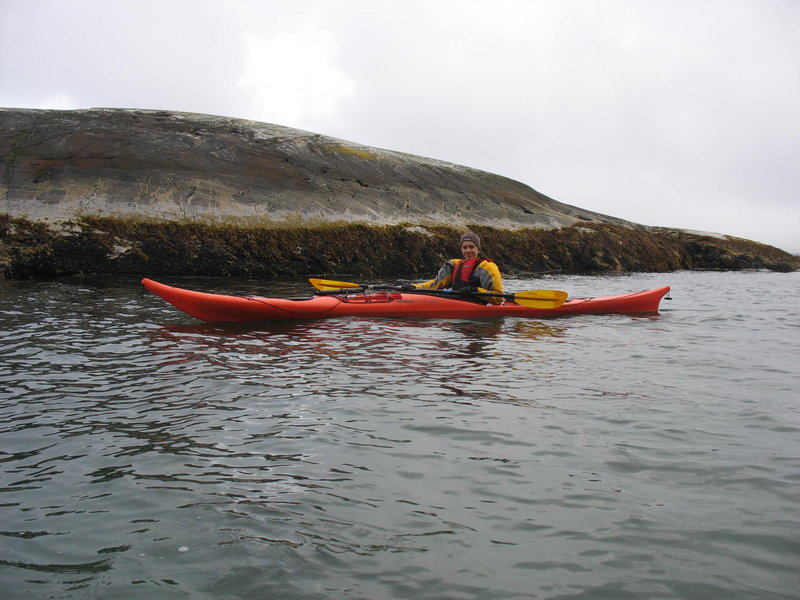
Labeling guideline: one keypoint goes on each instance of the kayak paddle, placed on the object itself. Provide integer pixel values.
(530, 298)
(327, 284)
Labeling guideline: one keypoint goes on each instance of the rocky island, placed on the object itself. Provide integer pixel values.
(165, 193)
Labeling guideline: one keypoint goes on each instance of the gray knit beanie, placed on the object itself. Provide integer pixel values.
(471, 237)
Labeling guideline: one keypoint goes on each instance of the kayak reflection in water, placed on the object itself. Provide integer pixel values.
(473, 273)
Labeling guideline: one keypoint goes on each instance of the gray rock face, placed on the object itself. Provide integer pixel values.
(167, 166)
(163, 193)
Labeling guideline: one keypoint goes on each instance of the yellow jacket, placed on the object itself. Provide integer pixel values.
(487, 273)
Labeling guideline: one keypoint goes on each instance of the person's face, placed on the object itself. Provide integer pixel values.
(469, 250)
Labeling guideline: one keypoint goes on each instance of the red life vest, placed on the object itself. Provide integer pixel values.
(464, 277)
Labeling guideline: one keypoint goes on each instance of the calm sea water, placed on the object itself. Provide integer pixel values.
(147, 455)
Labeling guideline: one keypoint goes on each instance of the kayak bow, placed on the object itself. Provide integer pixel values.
(242, 309)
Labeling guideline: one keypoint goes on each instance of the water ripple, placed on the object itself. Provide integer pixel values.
(145, 454)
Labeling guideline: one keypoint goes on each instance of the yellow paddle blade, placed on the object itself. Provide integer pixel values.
(538, 303)
(541, 298)
(327, 284)
(542, 295)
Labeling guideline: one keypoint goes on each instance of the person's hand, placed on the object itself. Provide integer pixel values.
(407, 287)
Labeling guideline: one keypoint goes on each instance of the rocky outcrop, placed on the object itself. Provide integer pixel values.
(149, 192)
(59, 165)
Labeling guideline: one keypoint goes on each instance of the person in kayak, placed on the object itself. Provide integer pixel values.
(473, 273)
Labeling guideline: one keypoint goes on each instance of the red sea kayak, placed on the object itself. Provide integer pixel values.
(220, 308)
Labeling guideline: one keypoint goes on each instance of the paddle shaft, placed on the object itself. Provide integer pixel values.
(531, 298)
(464, 296)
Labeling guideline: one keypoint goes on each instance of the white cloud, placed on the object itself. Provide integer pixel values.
(55, 100)
(292, 77)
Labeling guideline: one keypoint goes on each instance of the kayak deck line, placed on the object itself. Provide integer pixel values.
(211, 307)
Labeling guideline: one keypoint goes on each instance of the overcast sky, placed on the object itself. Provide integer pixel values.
(680, 113)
